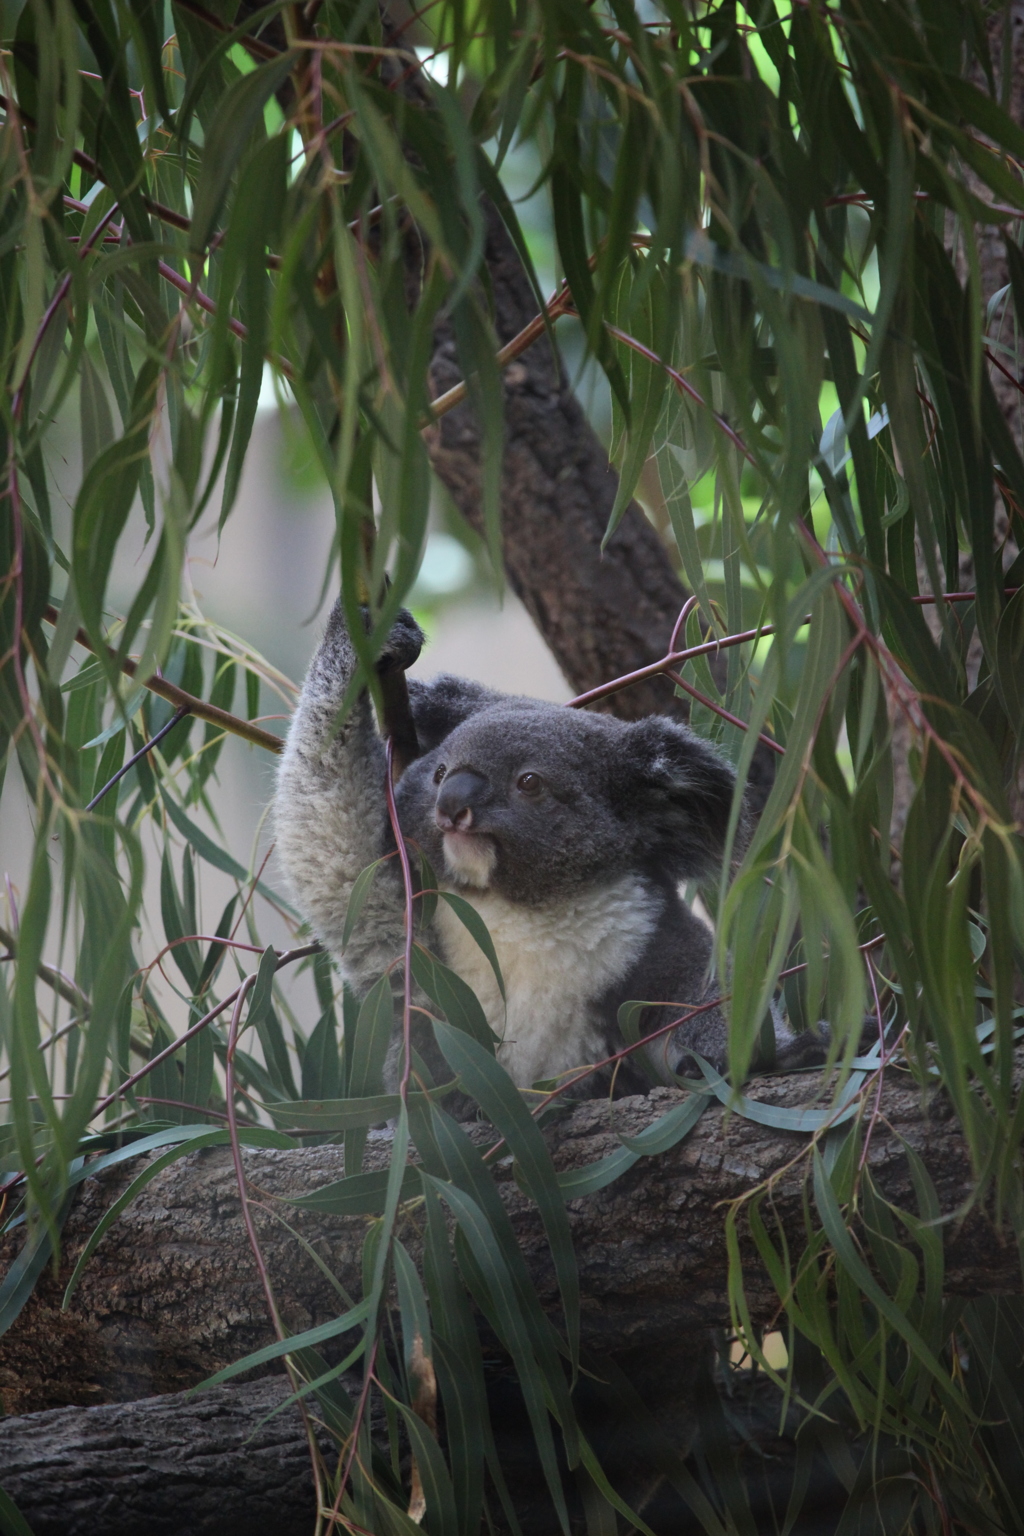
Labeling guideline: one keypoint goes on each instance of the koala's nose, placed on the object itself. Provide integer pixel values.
(459, 799)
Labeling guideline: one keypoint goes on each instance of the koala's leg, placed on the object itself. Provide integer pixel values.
(708, 1036)
(330, 809)
(704, 1035)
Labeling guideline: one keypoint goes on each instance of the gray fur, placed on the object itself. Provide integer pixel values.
(577, 876)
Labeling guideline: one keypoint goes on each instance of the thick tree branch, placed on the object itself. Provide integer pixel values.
(210, 1463)
(172, 1293)
(601, 615)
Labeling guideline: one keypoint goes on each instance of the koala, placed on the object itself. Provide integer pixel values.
(569, 833)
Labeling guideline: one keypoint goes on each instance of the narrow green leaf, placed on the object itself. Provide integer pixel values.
(360, 1194)
(207, 849)
(239, 115)
(205, 1138)
(847, 1255)
(19, 1281)
(476, 927)
(500, 1100)
(12, 1521)
(331, 1115)
(102, 507)
(308, 1339)
(779, 1116)
(457, 1001)
(665, 1132)
(473, 1223)
(357, 900)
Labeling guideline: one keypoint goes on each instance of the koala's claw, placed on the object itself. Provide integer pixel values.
(400, 650)
(402, 646)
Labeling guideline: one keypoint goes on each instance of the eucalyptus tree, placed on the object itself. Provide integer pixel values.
(774, 232)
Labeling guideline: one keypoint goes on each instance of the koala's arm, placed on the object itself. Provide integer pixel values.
(330, 809)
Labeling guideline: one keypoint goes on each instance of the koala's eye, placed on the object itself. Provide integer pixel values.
(530, 783)
(439, 772)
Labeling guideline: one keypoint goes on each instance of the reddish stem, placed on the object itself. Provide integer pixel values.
(208, 1018)
(702, 698)
(680, 624)
(60, 294)
(673, 659)
(683, 385)
(198, 938)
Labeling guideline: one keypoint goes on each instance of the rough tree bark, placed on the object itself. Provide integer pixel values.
(171, 1294)
(600, 614)
(164, 1466)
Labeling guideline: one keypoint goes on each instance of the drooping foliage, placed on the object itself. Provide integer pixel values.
(770, 223)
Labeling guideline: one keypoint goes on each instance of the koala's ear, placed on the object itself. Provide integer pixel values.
(676, 791)
(445, 702)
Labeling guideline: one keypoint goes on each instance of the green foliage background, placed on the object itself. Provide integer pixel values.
(756, 211)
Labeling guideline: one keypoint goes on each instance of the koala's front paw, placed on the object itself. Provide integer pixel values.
(705, 1036)
(402, 646)
(795, 1050)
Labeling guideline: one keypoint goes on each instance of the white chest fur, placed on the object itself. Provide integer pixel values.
(556, 962)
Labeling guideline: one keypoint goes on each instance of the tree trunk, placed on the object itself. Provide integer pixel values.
(167, 1466)
(601, 614)
(172, 1294)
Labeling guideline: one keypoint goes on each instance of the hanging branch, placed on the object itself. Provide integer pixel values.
(188, 703)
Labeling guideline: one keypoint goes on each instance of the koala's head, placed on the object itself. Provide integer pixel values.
(534, 800)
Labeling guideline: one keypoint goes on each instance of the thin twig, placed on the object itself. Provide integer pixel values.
(673, 659)
(683, 385)
(179, 714)
(214, 1114)
(61, 984)
(199, 938)
(178, 696)
(553, 309)
(254, 45)
(87, 163)
(702, 698)
(741, 637)
(154, 1061)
